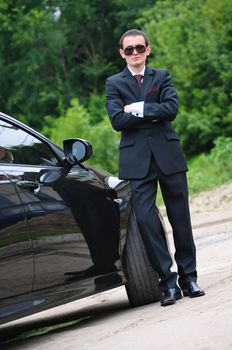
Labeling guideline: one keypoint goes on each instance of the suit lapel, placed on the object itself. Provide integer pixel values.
(131, 82)
(147, 81)
(133, 86)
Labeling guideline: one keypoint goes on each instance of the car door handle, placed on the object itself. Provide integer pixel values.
(33, 185)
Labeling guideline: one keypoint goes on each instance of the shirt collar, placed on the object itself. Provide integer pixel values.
(142, 71)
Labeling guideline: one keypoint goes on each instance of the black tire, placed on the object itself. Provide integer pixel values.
(142, 281)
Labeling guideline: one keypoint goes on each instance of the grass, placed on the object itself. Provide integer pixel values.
(206, 173)
(209, 170)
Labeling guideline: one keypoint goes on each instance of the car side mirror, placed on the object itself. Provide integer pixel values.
(76, 151)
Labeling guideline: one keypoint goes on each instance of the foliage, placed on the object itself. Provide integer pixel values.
(77, 122)
(74, 123)
(105, 143)
(96, 107)
(52, 51)
(193, 40)
(31, 70)
(213, 169)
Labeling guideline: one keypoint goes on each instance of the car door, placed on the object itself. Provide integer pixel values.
(16, 259)
(73, 223)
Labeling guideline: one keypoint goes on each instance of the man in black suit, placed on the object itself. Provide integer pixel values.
(142, 103)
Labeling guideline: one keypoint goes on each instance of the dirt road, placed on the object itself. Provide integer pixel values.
(107, 322)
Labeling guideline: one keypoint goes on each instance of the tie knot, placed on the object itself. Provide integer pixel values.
(138, 78)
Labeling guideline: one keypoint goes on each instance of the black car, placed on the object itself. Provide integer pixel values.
(67, 230)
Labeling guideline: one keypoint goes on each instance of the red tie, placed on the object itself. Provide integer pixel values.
(138, 78)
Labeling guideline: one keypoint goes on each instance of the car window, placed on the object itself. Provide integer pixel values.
(19, 147)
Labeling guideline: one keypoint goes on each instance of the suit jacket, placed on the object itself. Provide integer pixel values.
(153, 134)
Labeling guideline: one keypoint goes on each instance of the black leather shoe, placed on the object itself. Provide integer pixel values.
(192, 290)
(171, 296)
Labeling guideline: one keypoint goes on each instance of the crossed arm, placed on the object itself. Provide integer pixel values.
(128, 116)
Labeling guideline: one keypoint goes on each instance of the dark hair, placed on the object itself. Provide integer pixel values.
(132, 32)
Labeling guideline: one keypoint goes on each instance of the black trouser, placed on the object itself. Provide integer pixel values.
(175, 194)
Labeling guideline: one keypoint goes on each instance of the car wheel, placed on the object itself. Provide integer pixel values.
(142, 281)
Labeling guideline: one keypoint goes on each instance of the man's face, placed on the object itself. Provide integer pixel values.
(135, 60)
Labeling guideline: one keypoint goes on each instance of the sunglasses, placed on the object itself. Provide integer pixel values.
(129, 50)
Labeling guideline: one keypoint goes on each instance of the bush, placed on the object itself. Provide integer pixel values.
(192, 39)
(213, 169)
(78, 123)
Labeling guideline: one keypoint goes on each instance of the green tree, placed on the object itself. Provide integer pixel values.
(193, 40)
(54, 50)
(105, 143)
(77, 123)
(31, 60)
